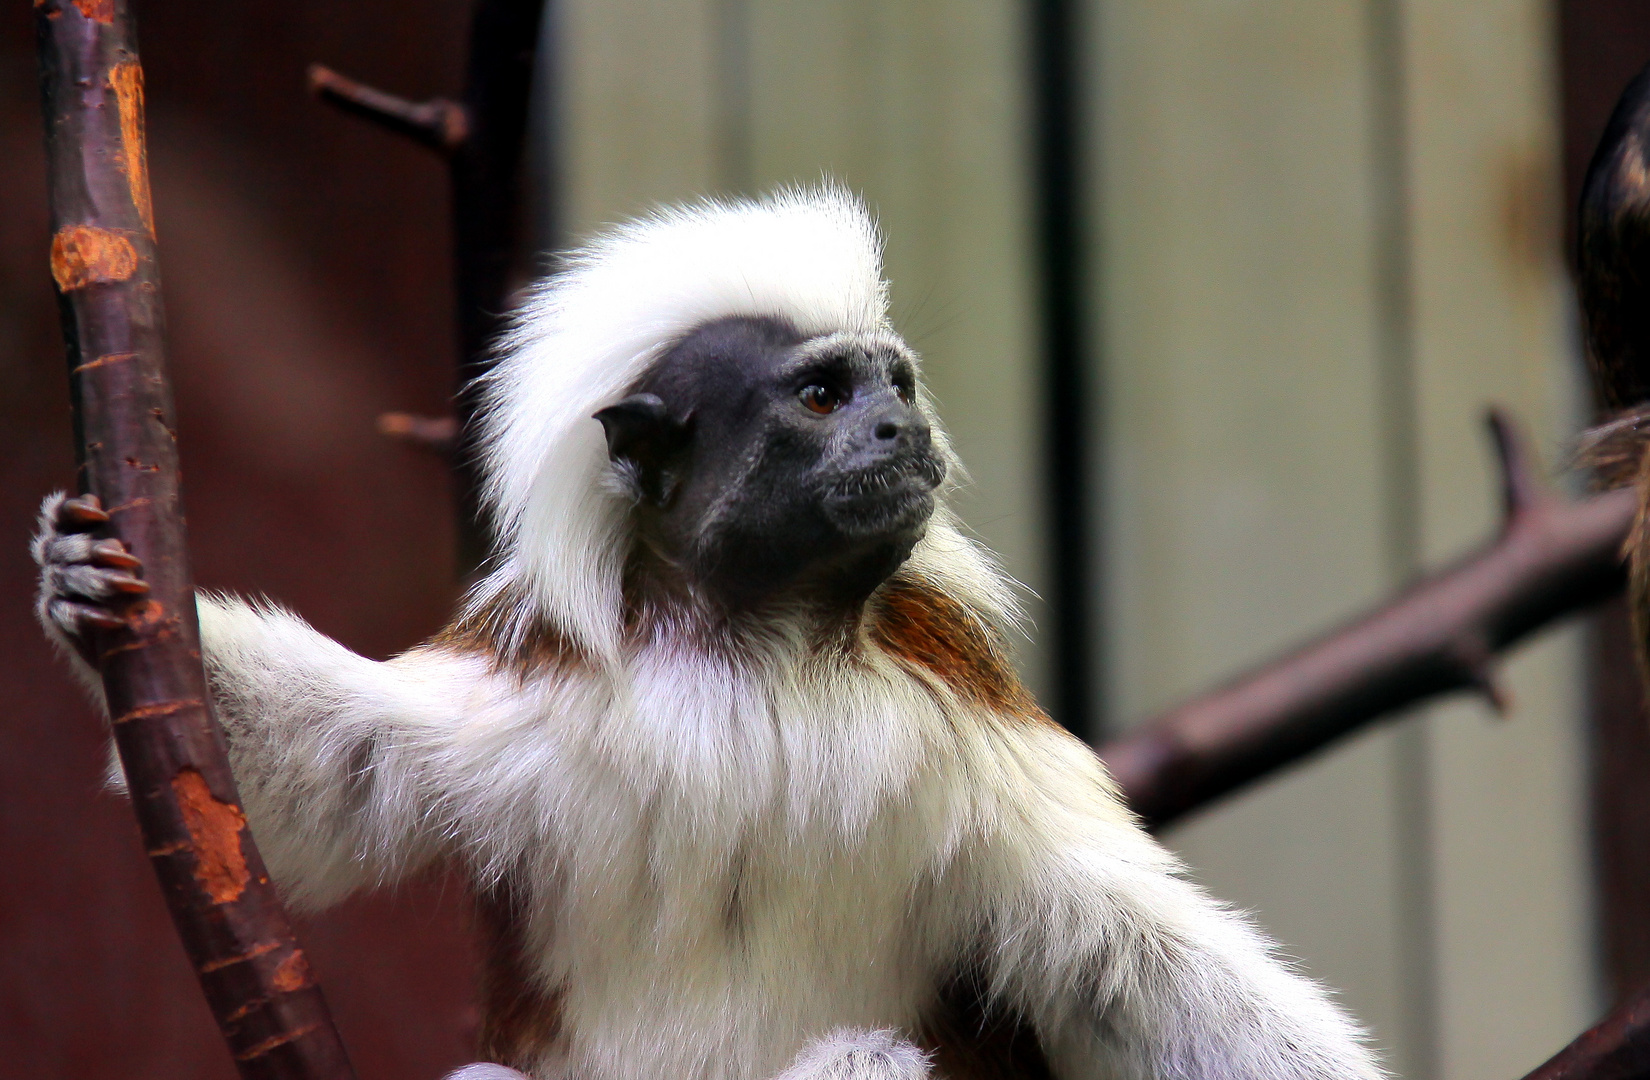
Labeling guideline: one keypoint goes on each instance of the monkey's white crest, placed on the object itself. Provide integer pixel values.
(810, 256)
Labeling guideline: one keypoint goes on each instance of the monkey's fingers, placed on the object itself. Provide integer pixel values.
(81, 512)
(75, 618)
(113, 555)
(81, 581)
(126, 583)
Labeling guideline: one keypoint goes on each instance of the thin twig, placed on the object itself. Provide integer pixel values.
(434, 433)
(256, 979)
(1552, 558)
(438, 123)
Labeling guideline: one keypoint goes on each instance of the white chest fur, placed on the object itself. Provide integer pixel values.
(746, 862)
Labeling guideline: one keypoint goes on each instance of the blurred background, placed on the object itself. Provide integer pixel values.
(1216, 359)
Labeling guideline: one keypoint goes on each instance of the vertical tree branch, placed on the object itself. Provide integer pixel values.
(256, 979)
(486, 206)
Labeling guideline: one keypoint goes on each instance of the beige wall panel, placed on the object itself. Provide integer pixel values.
(1511, 903)
(1244, 441)
(638, 106)
(1437, 873)
(920, 106)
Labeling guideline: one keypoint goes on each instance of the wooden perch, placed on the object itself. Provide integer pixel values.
(482, 138)
(255, 977)
(1552, 557)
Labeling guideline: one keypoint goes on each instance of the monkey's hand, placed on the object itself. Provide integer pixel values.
(844, 1054)
(856, 1054)
(82, 579)
(485, 1070)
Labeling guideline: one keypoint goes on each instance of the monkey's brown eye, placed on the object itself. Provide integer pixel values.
(820, 399)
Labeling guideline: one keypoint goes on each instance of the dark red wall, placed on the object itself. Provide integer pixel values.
(306, 277)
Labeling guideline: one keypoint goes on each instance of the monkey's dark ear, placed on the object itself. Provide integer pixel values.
(641, 431)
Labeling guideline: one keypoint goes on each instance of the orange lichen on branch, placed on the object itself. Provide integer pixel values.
(163, 708)
(104, 361)
(126, 80)
(99, 11)
(251, 954)
(292, 973)
(85, 255)
(215, 827)
(149, 622)
(275, 1042)
(135, 504)
(255, 1005)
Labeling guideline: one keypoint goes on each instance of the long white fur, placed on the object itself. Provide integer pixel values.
(813, 257)
(729, 862)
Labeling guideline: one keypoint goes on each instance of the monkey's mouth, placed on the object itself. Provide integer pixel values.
(889, 498)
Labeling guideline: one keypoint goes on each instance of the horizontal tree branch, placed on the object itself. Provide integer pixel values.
(1616, 1048)
(1553, 557)
(438, 123)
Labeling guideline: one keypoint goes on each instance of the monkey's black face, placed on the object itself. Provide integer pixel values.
(766, 463)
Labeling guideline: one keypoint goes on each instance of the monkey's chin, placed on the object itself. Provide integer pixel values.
(899, 511)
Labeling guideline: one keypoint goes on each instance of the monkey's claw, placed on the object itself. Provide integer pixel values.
(83, 510)
(67, 611)
(113, 554)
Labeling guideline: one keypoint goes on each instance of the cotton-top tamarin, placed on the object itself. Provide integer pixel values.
(728, 739)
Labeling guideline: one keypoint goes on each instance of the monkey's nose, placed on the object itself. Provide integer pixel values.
(891, 429)
(896, 422)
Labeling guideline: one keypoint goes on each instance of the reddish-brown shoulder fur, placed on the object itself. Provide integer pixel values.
(543, 647)
(520, 1021)
(916, 623)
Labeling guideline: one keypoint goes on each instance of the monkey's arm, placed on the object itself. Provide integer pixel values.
(1130, 972)
(335, 755)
